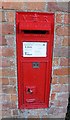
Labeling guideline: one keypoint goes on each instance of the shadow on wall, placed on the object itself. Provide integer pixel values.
(68, 110)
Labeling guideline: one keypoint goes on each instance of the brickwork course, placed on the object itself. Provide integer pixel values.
(8, 59)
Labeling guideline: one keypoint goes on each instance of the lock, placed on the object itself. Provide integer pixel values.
(35, 64)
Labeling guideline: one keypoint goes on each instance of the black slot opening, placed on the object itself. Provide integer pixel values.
(35, 32)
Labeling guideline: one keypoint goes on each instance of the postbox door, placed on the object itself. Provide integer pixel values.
(34, 81)
(35, 61)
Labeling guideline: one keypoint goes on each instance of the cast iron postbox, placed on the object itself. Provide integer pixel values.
(34, 38)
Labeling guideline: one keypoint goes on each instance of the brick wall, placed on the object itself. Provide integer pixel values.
(8, 66)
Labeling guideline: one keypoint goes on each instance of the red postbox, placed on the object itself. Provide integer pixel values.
(34, 42)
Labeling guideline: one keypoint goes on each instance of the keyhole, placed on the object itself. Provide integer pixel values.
(29, 90)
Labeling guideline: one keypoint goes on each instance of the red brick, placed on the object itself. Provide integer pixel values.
(13, 5)
(2, 40)
(61, 71)
(63, 97)
(54, 80)
(63, 80)
(68, 40)
(57, 52)
(58, 41)
(67, 18)
(0, 105)
(8, 1)
(0, 81)
(3, 17)
(10, 40)
(7, 28)
(7, 62)
(0, 28)
(52, 6)
(55, 61)
(58, 6)
(0, 88)
(11, 72)
(12, 81)
(9, 89)
(56, 88)
(61, 52)
(15, 112)
(53, 96)
(8, 52)
(6, 113)
(0, 98)
(63, 103)
(65, 41)
(55, 103)
(13, 98)
(5, 81)
(10, 16)
(63, 6)
(8, 105)
(60, 88)
(5, 98)
(0, 16)
(0, 72)
(64, 52)
(64, 61)
(59, 18)
(7, 72)
(68, 61)
(35, 5)
(0, 4)
(62, 30)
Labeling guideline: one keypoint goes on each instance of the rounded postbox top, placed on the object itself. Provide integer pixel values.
(35, 20)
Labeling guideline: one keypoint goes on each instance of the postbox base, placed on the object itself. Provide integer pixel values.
(37, 106)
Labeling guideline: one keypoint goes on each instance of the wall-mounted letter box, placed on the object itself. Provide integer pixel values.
(34, 38)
